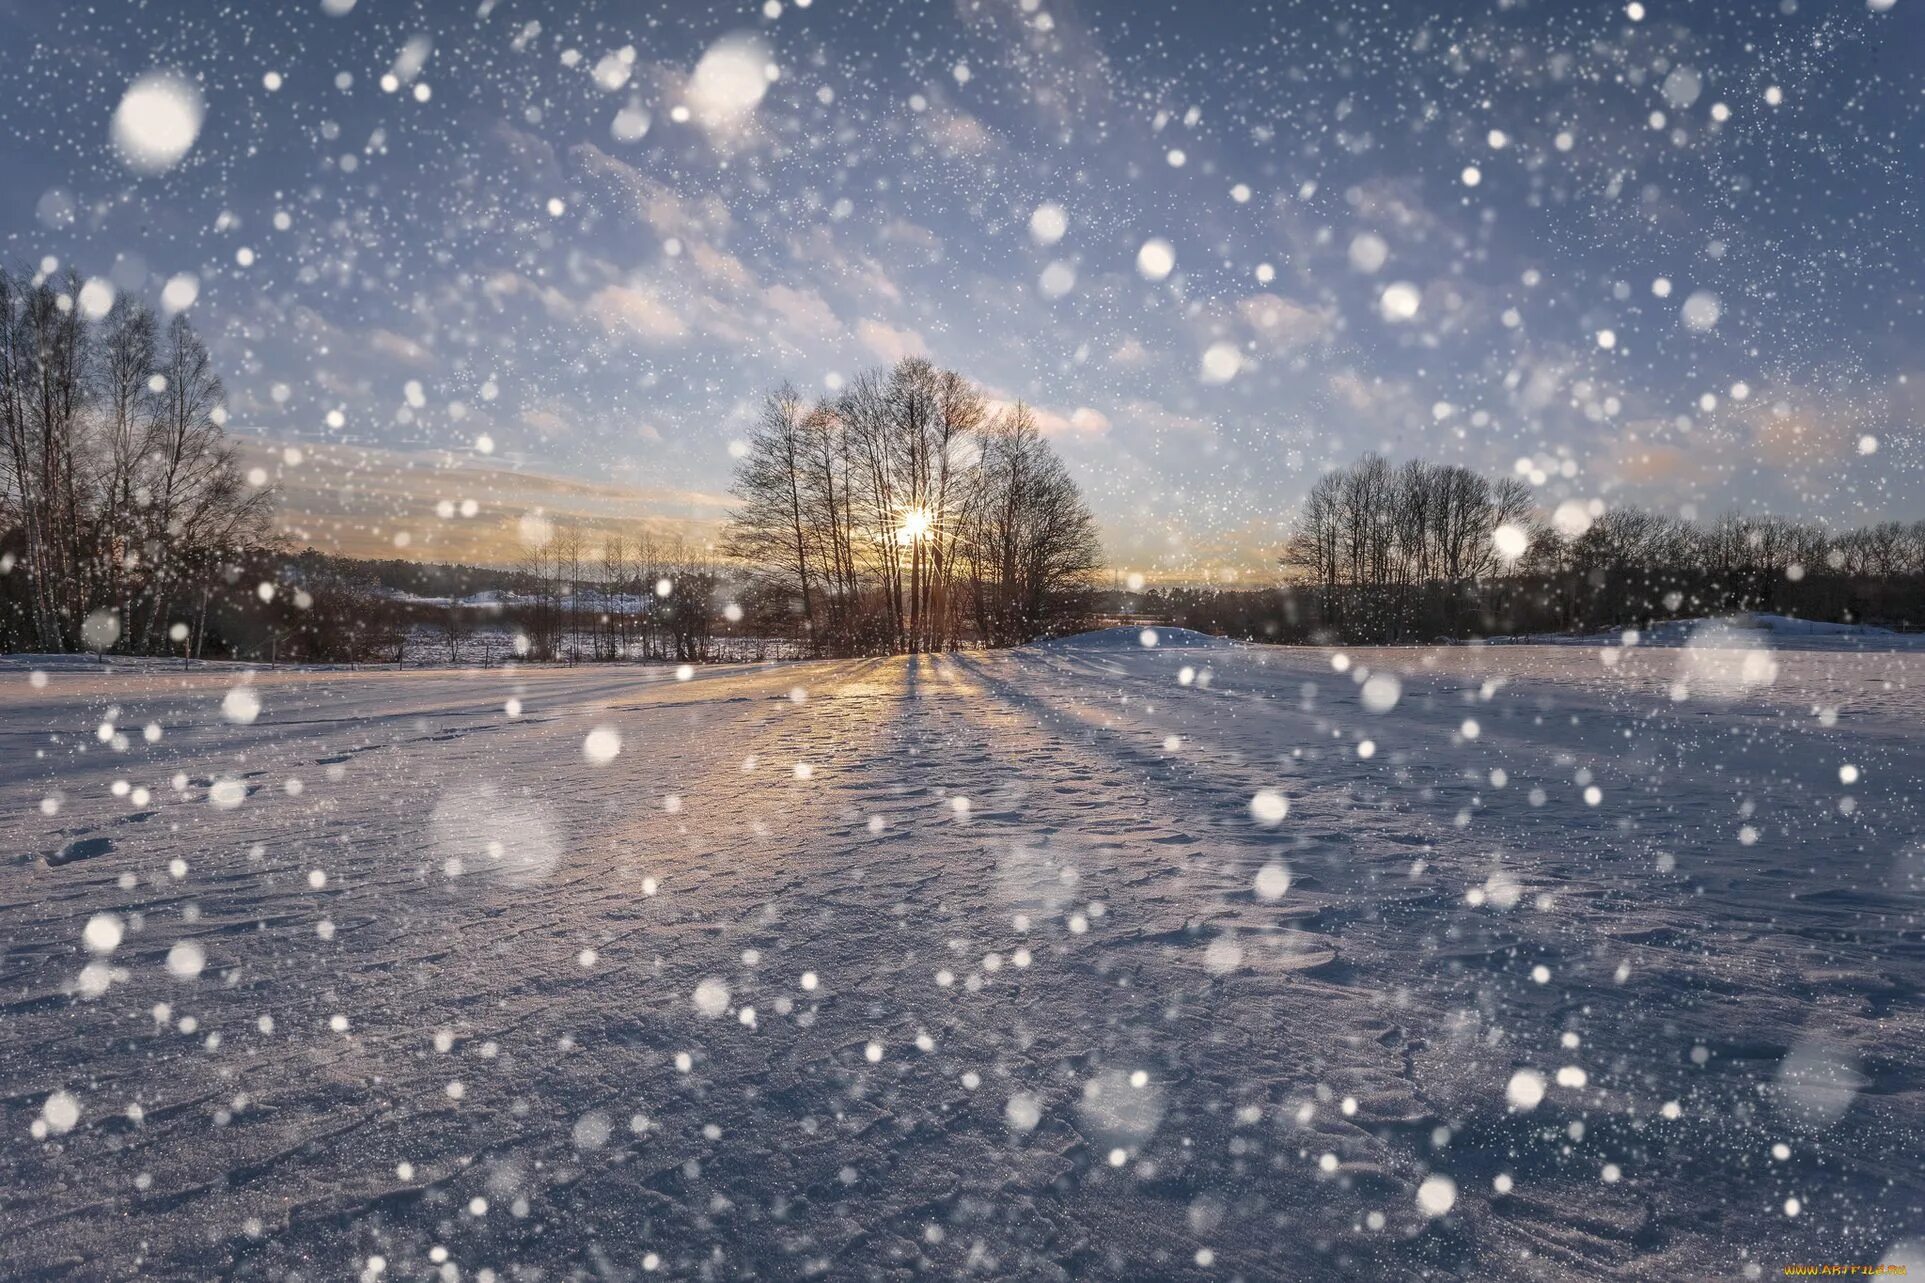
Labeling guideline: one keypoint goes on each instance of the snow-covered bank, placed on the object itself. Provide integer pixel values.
(1087, 960)
(1745, 630)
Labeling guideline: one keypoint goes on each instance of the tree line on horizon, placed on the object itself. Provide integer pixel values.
(1420, 551)
(574, 596)
(622, 597)
(906, 515)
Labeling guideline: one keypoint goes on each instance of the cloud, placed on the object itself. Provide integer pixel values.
(802, 311)
(719, 267)
(1085, 419)
(355, 500)
(637, 310)
(648, 201)
(530, 153)
(1354, 392)
(816, 253)
(901, 231)
(548, 422)
(1054, 54)
(1155, 420)
(400, 349)
(1644, 463)
(507, 284)
(708, 291)
(888, 342)
(1282, 324)
(1793, 431)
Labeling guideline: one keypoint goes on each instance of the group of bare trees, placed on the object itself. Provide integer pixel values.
(904, 512)
(1420, 550)
(1385, 546)
(580, 596)
(122, 507)
(1631, 564)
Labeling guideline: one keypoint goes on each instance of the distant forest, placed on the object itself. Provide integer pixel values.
(1420, 552)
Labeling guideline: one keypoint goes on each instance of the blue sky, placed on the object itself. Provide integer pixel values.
(567, 247)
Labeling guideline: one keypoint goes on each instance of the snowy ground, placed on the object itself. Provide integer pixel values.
(1000, 966)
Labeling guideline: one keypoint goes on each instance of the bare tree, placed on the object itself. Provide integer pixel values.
(773, 527)
(115, 477)
(1030, 544)
(457, 626)
(863, 510)
(130, 412)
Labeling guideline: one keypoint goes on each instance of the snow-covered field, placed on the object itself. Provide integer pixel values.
(1085, 961)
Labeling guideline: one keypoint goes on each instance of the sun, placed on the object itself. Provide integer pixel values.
(916, 524)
